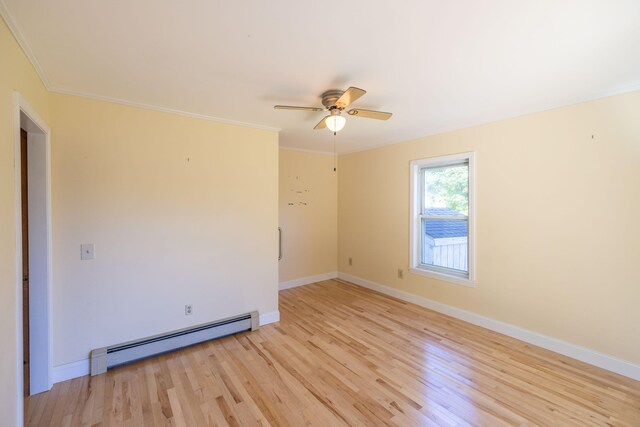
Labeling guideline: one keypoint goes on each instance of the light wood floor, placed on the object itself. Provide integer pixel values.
(343, 355)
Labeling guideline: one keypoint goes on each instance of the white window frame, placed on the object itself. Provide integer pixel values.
(416, 267)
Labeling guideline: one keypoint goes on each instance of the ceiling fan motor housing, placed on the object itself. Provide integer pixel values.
(330, 97)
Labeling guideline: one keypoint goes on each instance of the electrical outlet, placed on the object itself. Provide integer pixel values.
(188, 310)
(87, 251)
(400, 273)
(350, 261)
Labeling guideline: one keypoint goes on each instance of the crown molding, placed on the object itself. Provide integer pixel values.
(304, 150)
(22, 42)
(622, 90)
(162, 109)
(26, 48)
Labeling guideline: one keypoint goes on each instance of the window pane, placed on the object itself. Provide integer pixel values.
(446, 190)
(445, 243)
(446, 194)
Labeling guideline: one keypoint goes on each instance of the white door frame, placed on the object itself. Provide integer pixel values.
(41, 371)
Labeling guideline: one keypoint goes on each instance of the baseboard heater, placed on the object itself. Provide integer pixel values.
(108, 357)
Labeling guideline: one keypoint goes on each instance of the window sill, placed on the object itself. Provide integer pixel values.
(470, 283)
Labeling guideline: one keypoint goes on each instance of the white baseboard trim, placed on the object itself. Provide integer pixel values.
(267, 318)
(307, 280)
(70, 371)
(565, 348)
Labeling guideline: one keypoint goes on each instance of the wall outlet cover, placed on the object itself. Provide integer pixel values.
(87, 251)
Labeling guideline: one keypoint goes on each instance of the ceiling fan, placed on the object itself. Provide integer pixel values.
(335, 101)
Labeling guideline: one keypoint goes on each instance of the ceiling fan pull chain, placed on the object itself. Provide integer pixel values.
(335, 154)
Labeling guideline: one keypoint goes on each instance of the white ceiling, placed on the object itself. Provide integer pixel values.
(437, 65)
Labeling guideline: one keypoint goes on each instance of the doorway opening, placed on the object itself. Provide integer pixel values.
(33, 244)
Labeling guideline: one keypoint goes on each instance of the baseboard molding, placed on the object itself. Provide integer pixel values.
(81, 367)
(70, 371)
(267, 318)
(307, 280)
(565, 348)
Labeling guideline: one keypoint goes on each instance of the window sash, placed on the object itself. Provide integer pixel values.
(422, 217)
(460, 217)
(447, 270)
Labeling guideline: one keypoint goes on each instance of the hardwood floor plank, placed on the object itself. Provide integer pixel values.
(347, 356)
(59, 404)
(39, 409)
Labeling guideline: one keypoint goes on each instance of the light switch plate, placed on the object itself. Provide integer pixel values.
(87, 251)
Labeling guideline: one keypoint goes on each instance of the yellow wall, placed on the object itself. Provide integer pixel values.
(181, 211)
(558, 236)
(16, 73)
(308, 214)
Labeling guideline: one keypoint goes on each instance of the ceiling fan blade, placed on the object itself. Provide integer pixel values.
(293, 107)
(349, 96)
(369, 114)
(322, 124)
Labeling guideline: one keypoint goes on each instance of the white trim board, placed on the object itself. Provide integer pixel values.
(81, 368)
(307, 280)
(71, 370)
(583, 354)
(267, 318)
(41, 347)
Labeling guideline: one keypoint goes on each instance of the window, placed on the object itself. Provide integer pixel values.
(442, 218)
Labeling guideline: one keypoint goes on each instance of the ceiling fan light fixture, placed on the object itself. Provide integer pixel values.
(335, 101)
(335, 123)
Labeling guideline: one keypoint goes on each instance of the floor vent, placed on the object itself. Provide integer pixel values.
(108, 357)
